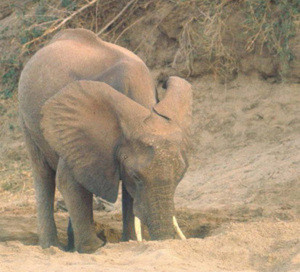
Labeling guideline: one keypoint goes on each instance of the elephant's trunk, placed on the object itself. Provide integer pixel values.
(160, 216)
(161, 229)
(156, 210)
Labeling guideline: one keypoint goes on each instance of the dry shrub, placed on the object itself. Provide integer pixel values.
(219, 34)
(271, 25)
(202, 40)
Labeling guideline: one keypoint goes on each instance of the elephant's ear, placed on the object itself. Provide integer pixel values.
(177, 102)
(83, 123)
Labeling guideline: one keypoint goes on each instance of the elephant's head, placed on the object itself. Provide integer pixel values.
(104, 136)
(152, 164)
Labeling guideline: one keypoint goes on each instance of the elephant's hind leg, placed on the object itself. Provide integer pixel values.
(44, 183)
(79, 202)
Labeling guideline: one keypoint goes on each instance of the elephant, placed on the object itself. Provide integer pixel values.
(92, 120)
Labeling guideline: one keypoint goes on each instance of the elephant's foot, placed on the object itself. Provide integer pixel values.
(128, 234)
(128, 237)
(46, 242)
(89, 246)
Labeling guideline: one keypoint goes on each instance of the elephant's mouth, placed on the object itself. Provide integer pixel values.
(138, 229)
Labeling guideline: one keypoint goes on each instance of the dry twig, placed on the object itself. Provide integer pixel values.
(63, 22)
(116, 18)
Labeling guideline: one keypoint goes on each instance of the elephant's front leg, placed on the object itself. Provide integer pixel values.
(79, 203)
(128, 216)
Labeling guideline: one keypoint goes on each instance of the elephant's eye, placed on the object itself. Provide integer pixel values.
(137, 180)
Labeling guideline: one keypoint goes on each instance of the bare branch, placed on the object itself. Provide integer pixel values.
(116, 18)
(63, 22)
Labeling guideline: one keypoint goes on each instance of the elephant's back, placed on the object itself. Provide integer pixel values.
(71, 55)
(89, 38)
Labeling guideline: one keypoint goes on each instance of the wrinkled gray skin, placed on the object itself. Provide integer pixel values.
(91, 118)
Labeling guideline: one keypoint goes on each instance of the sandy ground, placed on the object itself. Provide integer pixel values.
(238, 204)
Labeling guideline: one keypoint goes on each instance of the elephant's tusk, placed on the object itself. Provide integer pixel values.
(138, 229)
(177, 229)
